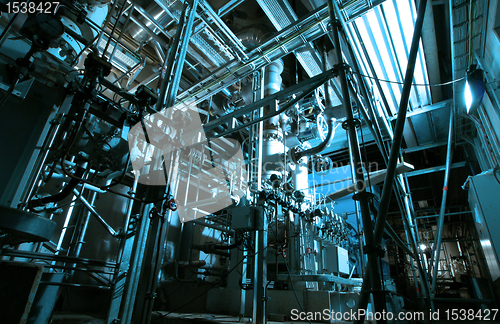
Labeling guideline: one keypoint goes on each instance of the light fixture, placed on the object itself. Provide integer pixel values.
(474, 89)
(423, 247)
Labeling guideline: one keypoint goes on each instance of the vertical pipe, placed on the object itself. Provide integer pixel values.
(172, 94)
(439, 231)
(328, 99)
(418, 254)
(400, 122)
(134, 273)
(269, 150)
(170, 61)
(362, 195)
(260, 275)
(358, 219)
(397, 140)
(81, 230)
(257, 313)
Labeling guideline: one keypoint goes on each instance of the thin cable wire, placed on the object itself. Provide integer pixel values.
(413, 84)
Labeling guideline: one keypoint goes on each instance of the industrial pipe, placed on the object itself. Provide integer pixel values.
(400, 122)
(96, 215)
(361, 195)
(296, 156)
(396, 144)
(170, 60)
(62, 194)
(181, 56)
(439, 231)
(251, 37)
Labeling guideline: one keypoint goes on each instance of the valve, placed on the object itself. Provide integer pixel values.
(173, 204)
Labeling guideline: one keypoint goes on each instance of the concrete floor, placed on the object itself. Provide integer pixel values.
(184, 318)
(178, 318)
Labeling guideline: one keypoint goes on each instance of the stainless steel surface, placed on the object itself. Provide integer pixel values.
(484, 205)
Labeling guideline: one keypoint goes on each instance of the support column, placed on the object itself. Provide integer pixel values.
(439, 231)
(398, 138)
(362, 195)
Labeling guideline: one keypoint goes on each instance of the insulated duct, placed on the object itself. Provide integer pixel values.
(272, 146)
(251, 37)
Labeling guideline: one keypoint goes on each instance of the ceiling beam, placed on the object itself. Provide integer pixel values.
(435, 169)
(426, 109)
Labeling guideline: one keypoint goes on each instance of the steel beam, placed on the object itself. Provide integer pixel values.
(287, 40)
(436, 169)
(447, 214)
(396, 144)
(304, 87)
(426, 109)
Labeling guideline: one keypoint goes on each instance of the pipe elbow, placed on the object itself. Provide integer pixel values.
(296, 155)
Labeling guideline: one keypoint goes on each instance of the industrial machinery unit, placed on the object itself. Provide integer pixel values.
(259, 159)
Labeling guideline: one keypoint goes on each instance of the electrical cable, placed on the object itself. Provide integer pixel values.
(413, 84)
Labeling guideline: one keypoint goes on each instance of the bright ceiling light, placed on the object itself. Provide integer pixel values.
(423, 247)
(474, 89)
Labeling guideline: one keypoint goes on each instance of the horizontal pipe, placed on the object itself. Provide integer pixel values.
(214, 226)
(52, 266)
(52, 257)
(70, 284)
(448, 214)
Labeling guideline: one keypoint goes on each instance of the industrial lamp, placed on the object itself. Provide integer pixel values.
(474, 89)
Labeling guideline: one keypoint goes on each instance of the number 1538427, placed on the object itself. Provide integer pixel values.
(32, 7)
